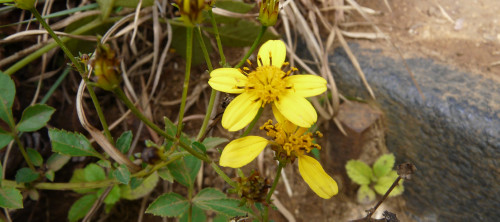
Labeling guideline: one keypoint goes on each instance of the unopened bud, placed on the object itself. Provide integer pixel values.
(191, 11)
(106, 68)
(268, 13)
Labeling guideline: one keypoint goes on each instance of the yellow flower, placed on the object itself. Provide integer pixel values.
(289, 143)
(268, 83)
(191, 10)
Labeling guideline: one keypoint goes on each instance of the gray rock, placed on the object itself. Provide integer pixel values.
(453, 136)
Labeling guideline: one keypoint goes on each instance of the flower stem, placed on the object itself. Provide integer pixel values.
(252, 124)
(217, 38)
(223, 175)
(23, 151)
(254, 46)
(189, 57)
(121, 95)
(271, 191)
(80, 69)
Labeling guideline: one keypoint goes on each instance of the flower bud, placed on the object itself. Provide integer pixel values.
(268, 13)
(191, 11)
(106, 68)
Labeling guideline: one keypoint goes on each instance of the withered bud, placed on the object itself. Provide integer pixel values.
(106, 67)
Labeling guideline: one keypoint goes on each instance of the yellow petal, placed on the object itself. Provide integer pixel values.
(274, 50)
(277, 114)
(317, 179)
(228, 80)
(297, 110)
(242, 151)
(240, 112)
(307, 85)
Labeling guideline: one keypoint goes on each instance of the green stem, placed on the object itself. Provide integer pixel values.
(121, 95)
(189, 57)
(217, 38)
(23, 151)
(254, 46)
(252, 124)
(98, 109)
(223, 175)
(212, 94)
(271, 191)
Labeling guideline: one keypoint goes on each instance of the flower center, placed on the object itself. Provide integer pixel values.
(292, 141)
(267, 83)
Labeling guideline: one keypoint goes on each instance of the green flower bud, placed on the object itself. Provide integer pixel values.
(268, 13)
(106, 68)
(190, 11)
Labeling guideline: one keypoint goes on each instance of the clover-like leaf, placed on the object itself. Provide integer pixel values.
(214, 200)
(169, 205)
(35, 117)
(359, 172)
(383, 165)
(185, 169)
(365, 194)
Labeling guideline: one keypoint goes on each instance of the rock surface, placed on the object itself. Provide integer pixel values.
(453, 136)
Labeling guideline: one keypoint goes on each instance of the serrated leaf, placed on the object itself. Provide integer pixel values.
(26, 175)
(34, 156)
(365, 195)
(73, 144)
(10, 198)
(122, 174)
(93, 172)
(5, 139)
(7, 94)
(197, 215)
(124, 141)
(165, 174)
(50, 175)
(185, 169)
(209, 194)
(212, 142)
(169, 205)
(142, 190)
(383, 165)
(384, 183)
(35, 117)
(359, 172)
(81, 207)
(228, 207)
(199, 147)
(56, 161)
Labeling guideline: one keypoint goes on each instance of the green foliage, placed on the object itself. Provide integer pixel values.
(50, 174)
(169, 205)
(381, 177)
(197, 215)
(7, 94)
(122, 174)
(93, 172)
(214, 200)
(212, 142)
(137, 190)
(56, 161)
(165, 174)
(185, 169)
(133, 3)
(73, 144)
(123, 142)
(35, 117)
(26, 175)
(10, 198)
(34, 156)
(81, 207)
(199, 147)
(5, 139)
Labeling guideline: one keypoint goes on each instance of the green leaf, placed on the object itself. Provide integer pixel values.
(135, 182)
(93, 172)
(221, 218)
(35, 157)
(124, 141)
(106, 6)
(170, 128)
(199, 147)
(73, 144)
(142, 190)
(168, 205)
(7, 94)
(383, 165)
(35, 117)
(185, 169)
(365, 195)
(78, 177)
(81, 207)
(359, 172)
(50, 174)
(26, 175)
(56, 161)
(122, 174)
(212, 142)
(234, 6)
(10, 198)
(197, 215)
(384, 183)
(165, 174)
(113, 196)
(228, 207)
(215, 200)
(4, 139)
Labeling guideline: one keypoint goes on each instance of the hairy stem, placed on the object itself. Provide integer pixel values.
(271, 191)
